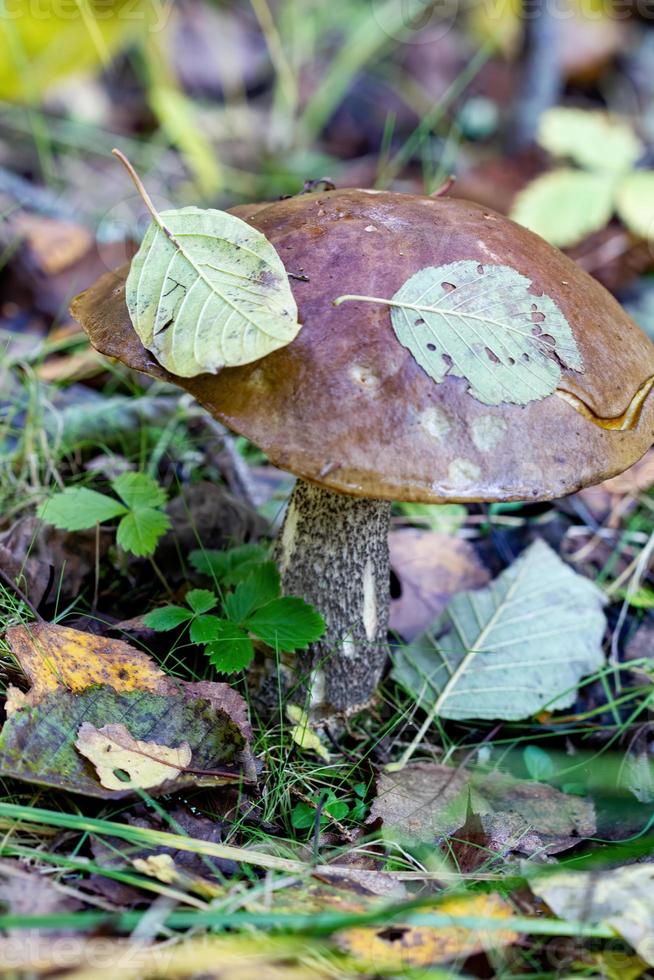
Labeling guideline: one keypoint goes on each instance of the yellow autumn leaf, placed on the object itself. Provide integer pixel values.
(43, 44)
(53, 657)
(400, 946)
(163, 868)
(115, 753)
(302, 733)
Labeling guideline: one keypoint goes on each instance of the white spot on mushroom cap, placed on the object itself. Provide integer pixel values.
(463, 472)
(435, 421)
(370, 228)
(257, 379)
(364, 376)
(487, 431)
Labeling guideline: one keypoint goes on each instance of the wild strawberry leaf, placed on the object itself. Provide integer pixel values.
(232, 648)
(78, 508)
(564, 206)
(287, 623)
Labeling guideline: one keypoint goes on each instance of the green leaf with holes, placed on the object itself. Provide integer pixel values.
(207, 291)
(483, 323)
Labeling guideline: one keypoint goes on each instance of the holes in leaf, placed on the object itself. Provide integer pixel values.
(394, 934)
(548, 339)
(122, 775)
(431, 347)
(448, 287)
(480, 269)
(492, 356)
(511, 361)
(447, 360)
(537, 317)
(525, 358)
(418, 322)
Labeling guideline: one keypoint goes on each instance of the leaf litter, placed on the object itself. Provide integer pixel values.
(82, 683)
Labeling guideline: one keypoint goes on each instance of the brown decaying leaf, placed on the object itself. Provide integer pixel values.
(431, 568)
(429, 802)
(25, 891)
(67, 558)
(78, 678)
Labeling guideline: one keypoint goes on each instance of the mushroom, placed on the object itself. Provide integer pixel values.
(348, 410)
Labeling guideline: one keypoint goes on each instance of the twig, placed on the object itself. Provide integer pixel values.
(16, 589)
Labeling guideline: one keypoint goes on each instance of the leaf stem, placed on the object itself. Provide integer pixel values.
(352, 298)
(138, 183)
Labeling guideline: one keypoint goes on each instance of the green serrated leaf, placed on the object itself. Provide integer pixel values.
(511, 649)
(287, 624)
(635, 203)
(139, 490)
(231, 650)
(205, 629)
(229, 566)
(261, 585)
(595, 140)
(564, 206)
(207, 291)
(167, 618)
(78, 508)
(201, 600)
(140, 530)
(481, 323)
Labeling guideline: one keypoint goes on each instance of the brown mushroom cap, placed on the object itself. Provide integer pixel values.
(346, 406)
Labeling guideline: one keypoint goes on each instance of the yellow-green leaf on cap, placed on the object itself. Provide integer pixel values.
(594, 140)
(207, 291)
(564, 206)
(481, 322)
(635, 203)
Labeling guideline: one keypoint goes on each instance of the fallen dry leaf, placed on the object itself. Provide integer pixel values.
(430, 802)
(622, 898)
(430, 568)
(56, 656)
(26, 891)
(146, 764)
(397, 946)
(231, 957)
(79, 678)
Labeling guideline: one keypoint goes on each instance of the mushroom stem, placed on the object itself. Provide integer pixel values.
(333, 551)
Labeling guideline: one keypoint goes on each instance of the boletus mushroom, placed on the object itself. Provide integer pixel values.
(350, 410)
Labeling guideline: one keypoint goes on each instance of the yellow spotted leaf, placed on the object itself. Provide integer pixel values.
(53, 657)
(398, 946)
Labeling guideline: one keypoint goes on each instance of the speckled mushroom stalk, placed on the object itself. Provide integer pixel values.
(333, 551)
